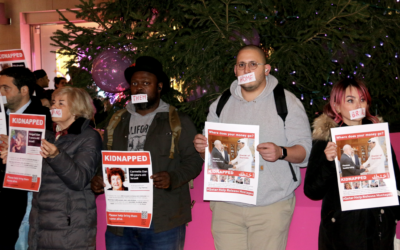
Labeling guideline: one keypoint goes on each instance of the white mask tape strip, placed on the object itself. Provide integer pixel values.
(357, 113)
(4, 99)
(56, 112)
(250, 77)
(139, 98)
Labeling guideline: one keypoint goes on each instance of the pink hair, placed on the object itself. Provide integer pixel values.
(338, 95)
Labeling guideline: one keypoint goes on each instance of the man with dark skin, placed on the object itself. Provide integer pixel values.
(149, 124)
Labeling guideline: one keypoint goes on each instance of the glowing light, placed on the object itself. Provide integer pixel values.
(368, 55)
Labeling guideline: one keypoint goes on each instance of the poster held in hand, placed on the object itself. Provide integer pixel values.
(231, 163)
(24, 162)
(364, 166)
(129, 189)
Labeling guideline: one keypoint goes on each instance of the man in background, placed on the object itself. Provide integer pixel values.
(42, 81)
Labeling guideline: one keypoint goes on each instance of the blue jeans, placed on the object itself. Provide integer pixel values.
(22, 242)
(147, 239)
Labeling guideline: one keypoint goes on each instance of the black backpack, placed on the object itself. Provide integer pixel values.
(281, 109)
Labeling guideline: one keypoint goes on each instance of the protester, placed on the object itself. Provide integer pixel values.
(42, 81)
(17, 86)
(263, 226)
(372, 228)
(174, 159)
(63, 213)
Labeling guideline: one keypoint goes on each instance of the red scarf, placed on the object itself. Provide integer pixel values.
(58, 131)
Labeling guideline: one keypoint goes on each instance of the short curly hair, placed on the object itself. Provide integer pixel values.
(116, 171)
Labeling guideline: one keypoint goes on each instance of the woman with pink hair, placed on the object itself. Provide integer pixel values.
(372, 228)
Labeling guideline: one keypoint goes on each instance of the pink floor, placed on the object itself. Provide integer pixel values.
(303, 234)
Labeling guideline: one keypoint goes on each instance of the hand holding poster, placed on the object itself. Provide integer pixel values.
(129, 172)
(365, 167)
(24, 162)
(232, 164)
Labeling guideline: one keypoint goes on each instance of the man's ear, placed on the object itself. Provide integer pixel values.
(24, 90)
(267, 68)
(160, 85)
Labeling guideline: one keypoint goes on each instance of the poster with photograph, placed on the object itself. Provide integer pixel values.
(129, 189)
(12, 58)
(364, 166)
(231, 163)
(24, 162)
(3, 121)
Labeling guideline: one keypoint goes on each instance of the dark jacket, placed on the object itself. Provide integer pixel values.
(63, 213)
(364, 229)
(16, 200)
(172, 206)
(349, 168)
(218, 160)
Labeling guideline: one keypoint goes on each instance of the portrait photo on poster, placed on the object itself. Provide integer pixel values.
(116, 178)
(18, 141)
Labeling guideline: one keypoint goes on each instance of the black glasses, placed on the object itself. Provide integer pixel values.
(252, 65)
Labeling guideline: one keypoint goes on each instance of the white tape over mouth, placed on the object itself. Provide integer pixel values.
(141, 98)
(357, 113)
(56, 112)
(250, 77)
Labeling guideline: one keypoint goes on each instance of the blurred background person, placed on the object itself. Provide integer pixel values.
(42, 81)
(59, 82)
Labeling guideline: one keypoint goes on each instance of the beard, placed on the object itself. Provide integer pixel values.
(151, 101)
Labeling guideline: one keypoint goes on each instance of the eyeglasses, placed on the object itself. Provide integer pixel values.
(252, 65)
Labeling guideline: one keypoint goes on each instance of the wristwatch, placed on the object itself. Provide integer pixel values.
(284, 153)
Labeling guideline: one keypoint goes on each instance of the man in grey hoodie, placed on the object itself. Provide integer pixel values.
(264, 225)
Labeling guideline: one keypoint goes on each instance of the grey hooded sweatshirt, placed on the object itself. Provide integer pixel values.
(275, 180)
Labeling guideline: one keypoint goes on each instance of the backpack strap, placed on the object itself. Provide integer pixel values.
(280, 102)
(115, 119)
(281, 109)
(175, 124)
(222, 101)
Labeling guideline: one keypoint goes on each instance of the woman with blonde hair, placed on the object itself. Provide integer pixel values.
(371, 228)
(63, 212)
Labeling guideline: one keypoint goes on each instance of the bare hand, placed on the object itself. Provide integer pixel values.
(200, 143)
(269, 151)
(4, 144)
(161, 179)
(3, 156)
(366, 170)
(331, 151)
(97, 184)
(48, 149)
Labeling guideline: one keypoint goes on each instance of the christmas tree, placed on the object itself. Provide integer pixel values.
(309, 44)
